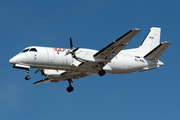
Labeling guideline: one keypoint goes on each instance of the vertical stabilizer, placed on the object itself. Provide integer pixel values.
(151, 41)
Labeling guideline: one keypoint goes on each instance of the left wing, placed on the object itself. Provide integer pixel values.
(115, 47)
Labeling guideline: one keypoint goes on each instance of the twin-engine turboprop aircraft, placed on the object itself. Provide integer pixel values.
(59, 64)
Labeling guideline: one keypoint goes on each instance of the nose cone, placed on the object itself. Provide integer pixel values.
(13, 60)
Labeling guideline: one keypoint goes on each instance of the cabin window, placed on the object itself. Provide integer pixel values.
(33, 50)
(25, 50)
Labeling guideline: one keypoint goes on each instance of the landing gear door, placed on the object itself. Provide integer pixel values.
(50, 52)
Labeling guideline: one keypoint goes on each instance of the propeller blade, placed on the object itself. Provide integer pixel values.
(75, 50)
(71, 44)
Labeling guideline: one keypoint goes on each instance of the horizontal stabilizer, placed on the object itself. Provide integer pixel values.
(42, 81)
(156, 53)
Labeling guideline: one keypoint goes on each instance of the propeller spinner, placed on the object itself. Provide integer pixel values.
(73, 50)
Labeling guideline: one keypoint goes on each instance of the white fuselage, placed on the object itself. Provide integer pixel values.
(57, 58)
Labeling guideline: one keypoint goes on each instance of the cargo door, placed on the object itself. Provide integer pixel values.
(50, 52)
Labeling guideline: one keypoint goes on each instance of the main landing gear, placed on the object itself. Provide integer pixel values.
(70, 88)
(102, 72)
(27, 73)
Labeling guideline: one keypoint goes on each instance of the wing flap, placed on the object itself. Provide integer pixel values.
(115, 47)
(156, 53)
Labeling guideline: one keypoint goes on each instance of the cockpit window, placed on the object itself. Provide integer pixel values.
(25, 50)
(33, 50)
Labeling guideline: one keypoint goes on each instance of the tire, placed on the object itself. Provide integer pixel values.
(102, 72)
(70, 89)
(27, 77)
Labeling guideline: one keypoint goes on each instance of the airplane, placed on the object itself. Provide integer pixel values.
(59, 64)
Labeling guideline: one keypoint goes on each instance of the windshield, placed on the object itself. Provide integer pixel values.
(33, 50)
(25, 50)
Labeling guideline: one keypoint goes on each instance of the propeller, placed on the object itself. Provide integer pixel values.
(71, 44)
(72, 50)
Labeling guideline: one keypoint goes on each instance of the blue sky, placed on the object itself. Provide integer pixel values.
(150, 95)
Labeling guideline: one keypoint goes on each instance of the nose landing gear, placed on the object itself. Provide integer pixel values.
(70, 88)
(27, 73)
(27, 77)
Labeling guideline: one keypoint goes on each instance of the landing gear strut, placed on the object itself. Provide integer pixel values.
(70, 88)
(27, 73)
(102, 72)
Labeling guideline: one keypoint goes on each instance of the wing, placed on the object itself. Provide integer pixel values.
(115, 47)
(156, 53)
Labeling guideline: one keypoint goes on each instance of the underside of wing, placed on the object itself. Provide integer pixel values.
(115, 47)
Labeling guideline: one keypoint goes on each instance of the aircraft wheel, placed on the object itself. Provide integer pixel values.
(27, 77)
(102, 72)
(70, 89)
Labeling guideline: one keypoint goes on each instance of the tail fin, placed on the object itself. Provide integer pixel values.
(156, 53)
(151, 41)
